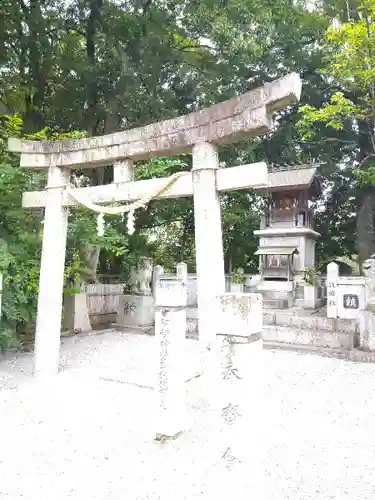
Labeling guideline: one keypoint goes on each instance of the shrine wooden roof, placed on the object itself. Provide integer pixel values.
(276, 251)
(299, 178)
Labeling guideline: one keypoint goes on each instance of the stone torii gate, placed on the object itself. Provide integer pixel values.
(201, 132)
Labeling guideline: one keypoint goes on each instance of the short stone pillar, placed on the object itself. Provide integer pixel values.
(170, 328)
(76, 315)
(157, 272)
(236, 400)
(310, 296)
(367, 316)
(181, 272)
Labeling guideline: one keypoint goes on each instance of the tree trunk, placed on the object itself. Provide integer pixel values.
(90, 257)
(38, 46)
(365, 225)
(365, 233)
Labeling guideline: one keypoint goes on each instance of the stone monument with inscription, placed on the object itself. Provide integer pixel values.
(170, 329)
(235, 383)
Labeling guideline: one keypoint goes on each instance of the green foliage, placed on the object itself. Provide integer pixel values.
(350, 65)
(351, 59)
(20, 236)
(310, 276)
(344, 121)
(332, 114)
(237, 276)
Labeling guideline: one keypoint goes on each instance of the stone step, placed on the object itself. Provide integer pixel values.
(356, 355)
(300, 319)
(275, 303)
(294, 329)
(308, 336)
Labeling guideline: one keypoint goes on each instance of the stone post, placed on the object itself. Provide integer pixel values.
(48, 322)
(156, 273)
(123, 171)
(181, 271)
(236, 400)
(367, 316)
(332, 277)
(76, 314)
(208, 237)
(170, 328)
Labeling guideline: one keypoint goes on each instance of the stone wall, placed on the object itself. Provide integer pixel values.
(103, 302)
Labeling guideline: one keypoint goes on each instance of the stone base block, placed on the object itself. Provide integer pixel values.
(136, 311)
(277, 303)
(76, 315)
(277, 294)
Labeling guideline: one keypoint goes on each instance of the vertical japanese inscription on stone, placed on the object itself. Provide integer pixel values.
(229, 370)
(163, 358)
(230, 411)
(332, 277)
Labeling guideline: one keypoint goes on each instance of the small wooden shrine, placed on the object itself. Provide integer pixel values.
(286, 235)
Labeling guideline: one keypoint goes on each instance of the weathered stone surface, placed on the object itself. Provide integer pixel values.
(136, 311)
(240, 314)
(50, 297)
(209, 251)
(247, 114)
(367, 317)
(170, 329)
(304, 336)
(236, 399)
(76, 316)
(170, 292)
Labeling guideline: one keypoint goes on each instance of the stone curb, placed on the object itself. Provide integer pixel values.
(355, 355)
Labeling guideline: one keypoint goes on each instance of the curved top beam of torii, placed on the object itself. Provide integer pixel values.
(226, 122)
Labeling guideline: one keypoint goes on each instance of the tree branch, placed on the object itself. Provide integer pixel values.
(361, 163)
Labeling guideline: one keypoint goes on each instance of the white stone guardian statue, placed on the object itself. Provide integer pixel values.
(141, 276)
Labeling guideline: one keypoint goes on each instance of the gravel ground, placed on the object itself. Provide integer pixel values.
(88, 434)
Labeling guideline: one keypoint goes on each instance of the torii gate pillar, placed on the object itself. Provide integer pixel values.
(208, 237)
(51, 281)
